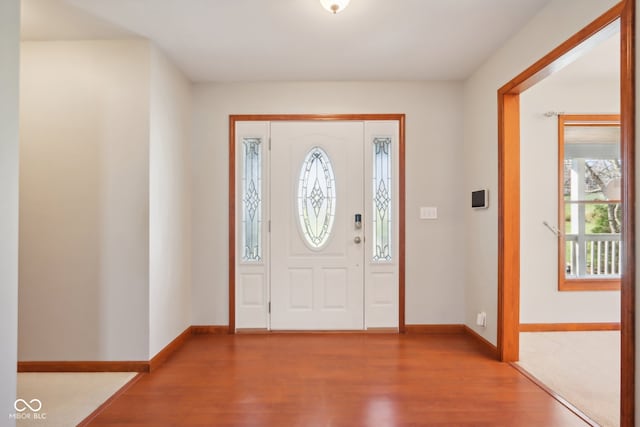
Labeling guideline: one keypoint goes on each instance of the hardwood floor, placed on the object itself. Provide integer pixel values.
(334, 380)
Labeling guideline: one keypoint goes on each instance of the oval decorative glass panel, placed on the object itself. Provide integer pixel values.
(316, 198)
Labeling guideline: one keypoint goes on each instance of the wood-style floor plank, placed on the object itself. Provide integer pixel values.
(334, 380)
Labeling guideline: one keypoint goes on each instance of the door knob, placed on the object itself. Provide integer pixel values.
(357, 239)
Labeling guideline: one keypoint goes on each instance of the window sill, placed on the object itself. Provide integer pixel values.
(589, 285)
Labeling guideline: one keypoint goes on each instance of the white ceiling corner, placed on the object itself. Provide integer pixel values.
(57, 20)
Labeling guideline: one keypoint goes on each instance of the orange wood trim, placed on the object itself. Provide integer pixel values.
(169, 350)
(568, 327)
(588, 119)
(400, 118)
(556, 396)
(83, 366)
(488, 348)
(508, 226)
(232, 223)
(587, 284)
(628, 280)
(209, 329)
(92, 416)
(567, 52)
(312, 117)
(434, 329)
(603, 125)
(401, 226)
(591, 124)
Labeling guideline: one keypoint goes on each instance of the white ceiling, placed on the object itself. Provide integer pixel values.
(296, 40)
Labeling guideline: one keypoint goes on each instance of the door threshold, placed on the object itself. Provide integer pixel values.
(317, 331)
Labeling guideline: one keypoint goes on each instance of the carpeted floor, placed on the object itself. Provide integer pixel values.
(67, 398)
(582, 367)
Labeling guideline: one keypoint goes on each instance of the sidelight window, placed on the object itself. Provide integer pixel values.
(251, 199)
(382, 199)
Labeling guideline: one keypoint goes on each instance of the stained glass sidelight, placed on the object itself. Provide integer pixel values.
(316, 198)
(251, 199)
(382, 199)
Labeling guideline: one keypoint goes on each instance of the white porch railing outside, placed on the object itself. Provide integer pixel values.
(593, 255)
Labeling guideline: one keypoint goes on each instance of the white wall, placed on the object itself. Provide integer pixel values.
(558, 21)
(9, 76)
(434, 281)
(170, 203)
(84, 201)
(540, 300)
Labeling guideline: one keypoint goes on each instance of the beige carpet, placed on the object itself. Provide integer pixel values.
(67, 398)
(582, 367)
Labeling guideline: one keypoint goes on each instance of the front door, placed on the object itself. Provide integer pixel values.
(317, 275)
(316, 235)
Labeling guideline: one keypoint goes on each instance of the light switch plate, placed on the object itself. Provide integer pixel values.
(428, 212)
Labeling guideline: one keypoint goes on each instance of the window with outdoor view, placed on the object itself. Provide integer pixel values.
(589, 202)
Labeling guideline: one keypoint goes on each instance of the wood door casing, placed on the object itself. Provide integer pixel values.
(508, 265)
(233, 119)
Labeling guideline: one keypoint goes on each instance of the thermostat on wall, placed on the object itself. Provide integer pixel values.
(480, 199)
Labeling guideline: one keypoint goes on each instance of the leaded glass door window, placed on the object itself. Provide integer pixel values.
(316, 198)
(252, 199)
(382, 200)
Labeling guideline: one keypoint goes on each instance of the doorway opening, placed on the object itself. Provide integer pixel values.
(509, 191)
(314, 224)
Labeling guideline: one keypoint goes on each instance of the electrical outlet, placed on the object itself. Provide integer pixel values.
(481, 319)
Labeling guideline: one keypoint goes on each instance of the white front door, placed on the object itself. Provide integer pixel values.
(317, 248)
(301, 260)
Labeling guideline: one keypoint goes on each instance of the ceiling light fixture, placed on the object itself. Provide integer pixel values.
(334, 6)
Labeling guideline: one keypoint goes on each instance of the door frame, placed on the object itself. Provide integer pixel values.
(233, 118)
(509, 191)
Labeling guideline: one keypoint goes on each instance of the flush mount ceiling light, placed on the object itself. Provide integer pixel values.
(334, 6)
